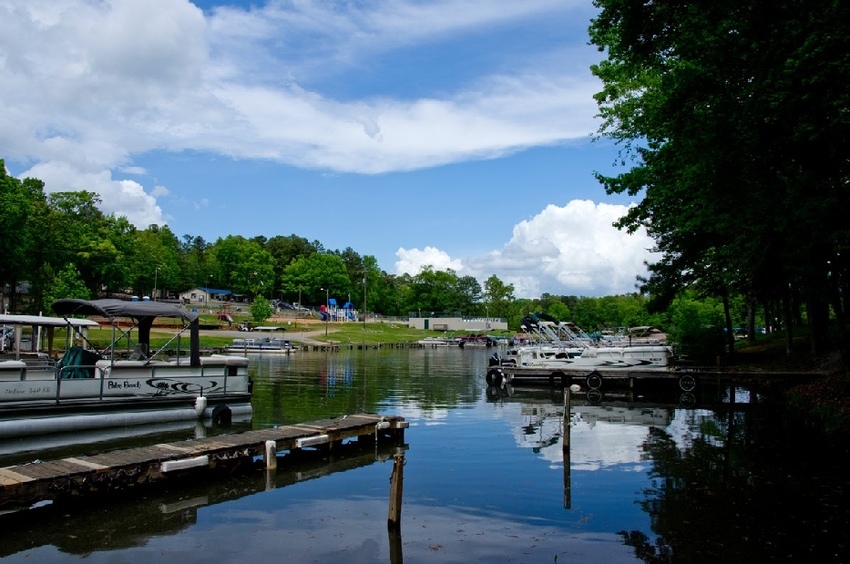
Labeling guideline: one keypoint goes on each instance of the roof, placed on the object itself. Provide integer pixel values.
(215, 291)
(45, 321)
(120, 308)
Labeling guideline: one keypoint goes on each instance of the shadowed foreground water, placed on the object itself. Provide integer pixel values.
(720, 475)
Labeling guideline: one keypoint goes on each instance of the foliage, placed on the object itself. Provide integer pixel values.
(66, 284)
(738, 140)
(261, 309)
(243, 266)
(697, 329)
(319, 277)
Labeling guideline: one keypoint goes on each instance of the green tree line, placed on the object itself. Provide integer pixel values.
(66, 247)
(735, 132)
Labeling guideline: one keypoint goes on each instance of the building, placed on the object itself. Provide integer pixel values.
(438, 321)
(205, 296)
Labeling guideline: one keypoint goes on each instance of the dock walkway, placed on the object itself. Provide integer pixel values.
(25, 484)
(687, 378)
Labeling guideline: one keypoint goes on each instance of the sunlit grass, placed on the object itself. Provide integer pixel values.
(343, 332)
(382, 333)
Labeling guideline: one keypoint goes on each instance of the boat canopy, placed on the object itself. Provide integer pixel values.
(119, 308)
(42, 321)
(143, 313)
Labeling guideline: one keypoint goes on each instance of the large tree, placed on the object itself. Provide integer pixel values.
(736, 132)
(316, 278)
(22, 207)
(242, 266)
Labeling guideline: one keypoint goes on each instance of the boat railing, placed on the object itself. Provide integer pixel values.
(76, 373)
(101, 372)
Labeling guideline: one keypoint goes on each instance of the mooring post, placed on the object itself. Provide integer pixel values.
(565, 444)
(271, 455)
(396, 483)
(565, 447)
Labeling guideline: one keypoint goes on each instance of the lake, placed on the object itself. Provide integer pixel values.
(650, 476)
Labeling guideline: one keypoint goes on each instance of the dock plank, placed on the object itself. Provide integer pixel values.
(117, 469)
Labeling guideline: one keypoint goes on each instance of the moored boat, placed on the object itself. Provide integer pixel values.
(590, 364)
(267, 345)
(439, 341)
(90, 388)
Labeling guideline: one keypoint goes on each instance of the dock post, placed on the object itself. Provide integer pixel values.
(565, 447)
(396, 483)
(271, 455)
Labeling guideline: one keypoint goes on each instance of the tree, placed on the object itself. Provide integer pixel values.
(243, 266)
(261, 309)
(22, 204)
(499, 297)
(156, 261)
(65, 285)
(738, 140)
(311, 274)
(285, 250)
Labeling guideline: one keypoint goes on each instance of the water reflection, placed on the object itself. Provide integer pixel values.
(131, 520)
(719, 474)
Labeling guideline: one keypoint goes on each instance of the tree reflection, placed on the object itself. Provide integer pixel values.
(745, 483)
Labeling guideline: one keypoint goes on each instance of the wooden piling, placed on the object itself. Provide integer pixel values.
(396, 487)
(565, 447)
(271, 455)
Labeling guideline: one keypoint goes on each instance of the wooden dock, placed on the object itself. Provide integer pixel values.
(25, 484)
(595, 378)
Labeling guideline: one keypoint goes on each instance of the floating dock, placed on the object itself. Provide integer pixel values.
(26, 484)
(595, 378)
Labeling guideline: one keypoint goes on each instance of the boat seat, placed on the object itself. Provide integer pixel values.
(213, 361)
(12, 370)
(140, 352)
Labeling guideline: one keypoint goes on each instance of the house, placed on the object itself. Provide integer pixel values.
(205, 296)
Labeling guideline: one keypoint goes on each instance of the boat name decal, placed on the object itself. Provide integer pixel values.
(113, 385)
(167, 386)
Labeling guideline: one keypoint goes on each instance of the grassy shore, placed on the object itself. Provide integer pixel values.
(370, 333)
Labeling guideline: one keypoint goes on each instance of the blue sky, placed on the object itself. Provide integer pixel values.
(452, 133)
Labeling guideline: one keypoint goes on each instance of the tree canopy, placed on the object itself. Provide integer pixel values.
(734, 128)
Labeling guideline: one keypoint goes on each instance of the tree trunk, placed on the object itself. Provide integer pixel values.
(730, 335)
(817, 307)
(786, 320)
(751, 319)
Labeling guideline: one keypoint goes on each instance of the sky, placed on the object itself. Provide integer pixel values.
(460, 134)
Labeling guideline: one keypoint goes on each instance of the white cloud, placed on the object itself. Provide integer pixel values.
(569, 250)
(88, 85)
(563, 250)
(121, 197)
(412, 261)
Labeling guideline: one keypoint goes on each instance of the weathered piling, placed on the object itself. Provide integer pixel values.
(565, 447)
(396, 487)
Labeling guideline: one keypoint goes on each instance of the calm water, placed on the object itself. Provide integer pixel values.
(719, 476)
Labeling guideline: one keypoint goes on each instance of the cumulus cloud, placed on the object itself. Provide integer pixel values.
(119, 197)
(563, 250)
(89, 85)
(569, 250)
(412, 261)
